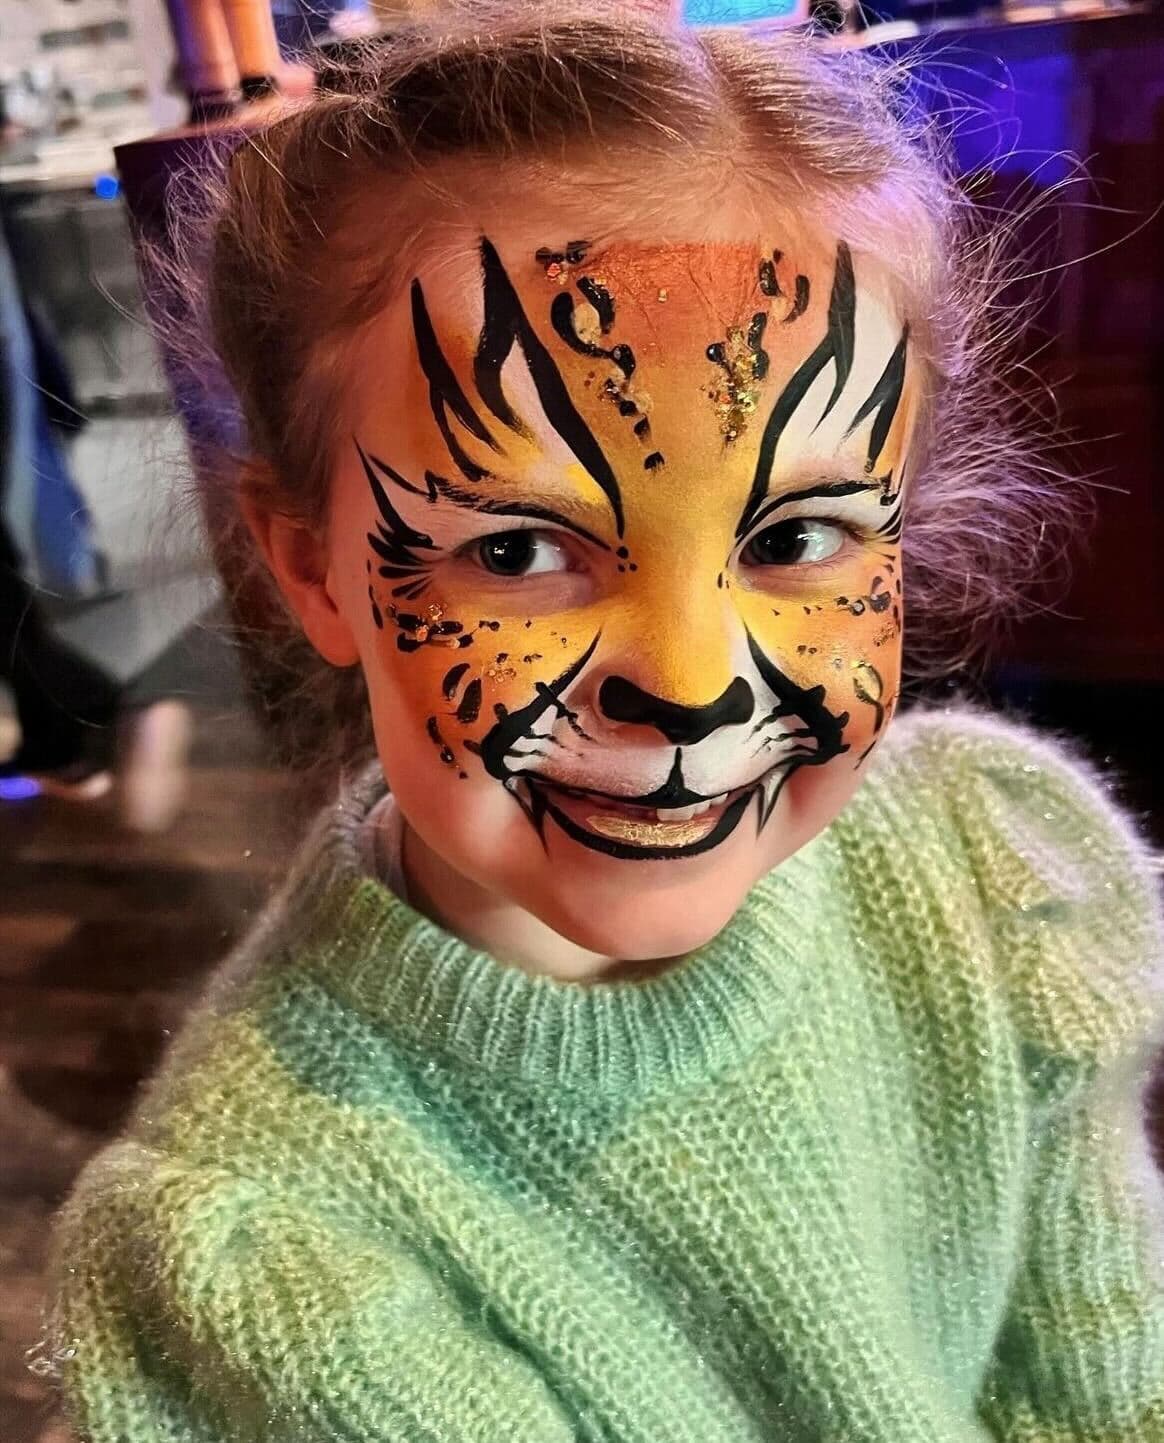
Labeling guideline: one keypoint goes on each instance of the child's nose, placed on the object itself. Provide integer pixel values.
(620, 700)
(668, 664)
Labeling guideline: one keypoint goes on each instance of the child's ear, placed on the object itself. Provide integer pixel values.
(296, 556)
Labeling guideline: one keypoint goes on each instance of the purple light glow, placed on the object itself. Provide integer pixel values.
(18, 789)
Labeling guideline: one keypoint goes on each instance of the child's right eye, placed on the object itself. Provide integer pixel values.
(518, 553)
(796, 542)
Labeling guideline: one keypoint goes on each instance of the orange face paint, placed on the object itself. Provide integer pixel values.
(636, 528)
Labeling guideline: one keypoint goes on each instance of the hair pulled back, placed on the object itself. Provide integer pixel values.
(304, 230)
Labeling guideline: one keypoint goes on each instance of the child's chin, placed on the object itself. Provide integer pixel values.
(640, 924)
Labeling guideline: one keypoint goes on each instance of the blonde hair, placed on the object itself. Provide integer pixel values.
(291, 264)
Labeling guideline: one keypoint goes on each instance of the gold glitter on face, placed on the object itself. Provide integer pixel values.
(745, 365)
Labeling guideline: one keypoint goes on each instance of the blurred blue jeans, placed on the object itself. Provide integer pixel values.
(67, 706)
(46, 516)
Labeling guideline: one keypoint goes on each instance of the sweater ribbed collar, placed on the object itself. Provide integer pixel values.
(442, 998)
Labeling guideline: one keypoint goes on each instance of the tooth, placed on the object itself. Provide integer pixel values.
(685, 814)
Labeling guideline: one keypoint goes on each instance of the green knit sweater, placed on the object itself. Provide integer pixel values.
(870, 1167)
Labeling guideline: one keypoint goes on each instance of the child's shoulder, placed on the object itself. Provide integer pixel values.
(963, 745)
(988, 771)
(1067, 885)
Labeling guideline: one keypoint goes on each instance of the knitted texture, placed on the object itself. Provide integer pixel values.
(870, 1167)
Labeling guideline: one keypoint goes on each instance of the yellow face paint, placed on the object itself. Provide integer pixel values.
(636, 529)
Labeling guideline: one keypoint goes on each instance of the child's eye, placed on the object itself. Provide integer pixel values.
(519, 553)
(796, 542)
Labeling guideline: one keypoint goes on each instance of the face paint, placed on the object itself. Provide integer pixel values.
(652, 499)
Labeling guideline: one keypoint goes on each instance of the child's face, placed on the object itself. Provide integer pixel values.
(618, 536)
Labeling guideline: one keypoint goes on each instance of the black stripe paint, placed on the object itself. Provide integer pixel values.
(601, 299)
(884, 399)
(806, 704)
(837, 347)
(394, 541)
(504, 317)
(453, 679)
(512, 727)
(562, 320)
(493, 348)
(470, 706)
(800, 303)
(444, 390)
(842, 322)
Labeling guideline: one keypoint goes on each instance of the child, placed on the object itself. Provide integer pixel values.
(656, 1044)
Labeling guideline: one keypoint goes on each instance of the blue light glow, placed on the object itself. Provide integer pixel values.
(107, 187)
(18, 789)
(729, 12)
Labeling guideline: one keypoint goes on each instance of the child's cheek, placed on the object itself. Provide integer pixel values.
(459, 670)
(845, 638)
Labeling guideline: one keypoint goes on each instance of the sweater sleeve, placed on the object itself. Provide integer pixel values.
(1071, 900)
(195, 1308)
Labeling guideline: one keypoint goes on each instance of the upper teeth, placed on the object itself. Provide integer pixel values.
(684, 814)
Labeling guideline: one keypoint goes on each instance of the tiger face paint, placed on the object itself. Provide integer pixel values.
(627, 564)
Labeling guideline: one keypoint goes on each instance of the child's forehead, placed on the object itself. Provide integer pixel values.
(663, 290)
(516, 350)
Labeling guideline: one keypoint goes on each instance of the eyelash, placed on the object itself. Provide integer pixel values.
(567, 542)
(469, 551)
(862, 535)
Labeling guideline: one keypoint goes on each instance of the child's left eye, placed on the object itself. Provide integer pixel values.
(796, 542)
(518, 553)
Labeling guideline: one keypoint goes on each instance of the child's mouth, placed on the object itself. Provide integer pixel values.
(625, 829)
(643, 826)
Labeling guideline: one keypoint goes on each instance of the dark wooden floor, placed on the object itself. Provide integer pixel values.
(104, 939)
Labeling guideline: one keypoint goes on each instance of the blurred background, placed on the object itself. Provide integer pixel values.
(126, 878)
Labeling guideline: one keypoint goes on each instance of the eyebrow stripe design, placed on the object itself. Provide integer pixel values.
(825, 488)
(471, 501)
(842, 322)
(837, 346)
(884, 399)
(539, 513)
(444, 390)
(506, 323)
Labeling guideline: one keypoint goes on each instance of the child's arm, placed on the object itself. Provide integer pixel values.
(1081, 1356)
(198, 1309)
(1070, 895)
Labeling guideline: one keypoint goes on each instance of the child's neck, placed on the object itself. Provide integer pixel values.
(506, 931)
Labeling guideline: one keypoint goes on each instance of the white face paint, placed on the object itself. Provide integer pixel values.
(620, 541)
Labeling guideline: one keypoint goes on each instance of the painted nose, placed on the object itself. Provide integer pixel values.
(620, 700)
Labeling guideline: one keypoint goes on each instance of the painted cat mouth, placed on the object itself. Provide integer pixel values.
(627, 829)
